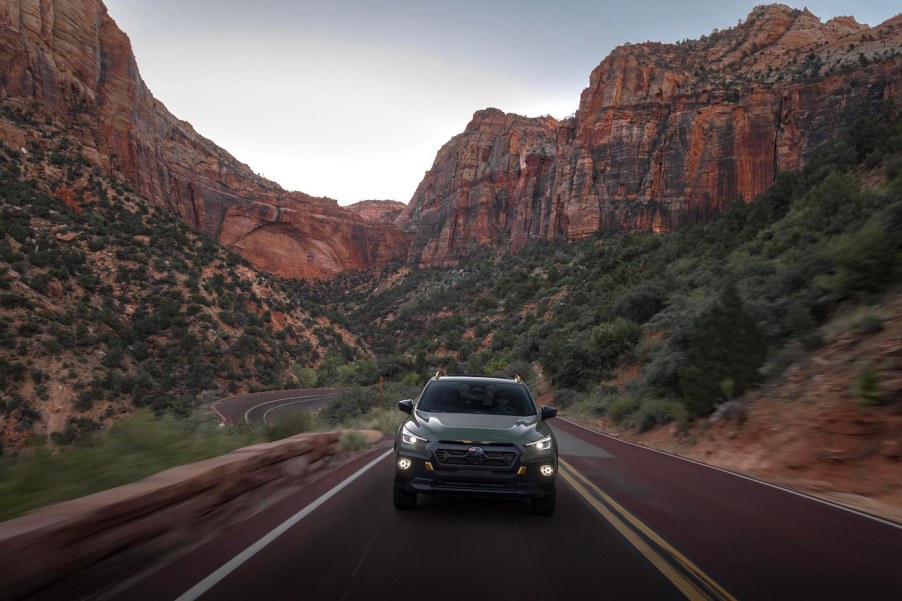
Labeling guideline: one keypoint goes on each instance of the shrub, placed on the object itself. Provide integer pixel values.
(518, 368)
(29, 329)
(778, 363)
(349, 405)
(865, 260)
(133, 449)
(612, 339)
(727, 345)
(619, 407)
(859, 321)
(290, 422)
(11, 300)
(353, 441)
(654, 412)
(564, 397)
(866, 386)
(642, 302)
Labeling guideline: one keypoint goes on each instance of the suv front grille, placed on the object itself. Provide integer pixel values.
(467, 457)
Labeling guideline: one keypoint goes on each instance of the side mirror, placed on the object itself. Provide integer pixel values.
(548, 412)
(406, 406)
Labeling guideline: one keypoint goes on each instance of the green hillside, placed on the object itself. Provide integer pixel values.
(109, 303)
(652, 328)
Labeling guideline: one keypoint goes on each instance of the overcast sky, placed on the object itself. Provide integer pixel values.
(351, 99)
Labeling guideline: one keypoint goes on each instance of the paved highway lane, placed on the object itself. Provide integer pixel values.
(264, 407)
(756, 540)
(630, 523)
(357, 546)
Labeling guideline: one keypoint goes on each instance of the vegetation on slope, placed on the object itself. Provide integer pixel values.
(653, 328)
(108, 303)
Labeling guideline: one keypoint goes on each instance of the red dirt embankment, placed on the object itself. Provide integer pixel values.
(810, 431)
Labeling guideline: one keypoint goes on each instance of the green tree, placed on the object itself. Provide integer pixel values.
(727, 345)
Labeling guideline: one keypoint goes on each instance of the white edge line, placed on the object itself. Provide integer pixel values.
(744, 477)
(236, 396)
(304, 400)
(210, 581)
(288, 398)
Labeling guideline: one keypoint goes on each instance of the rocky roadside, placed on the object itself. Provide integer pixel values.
(833, 450)
(124, 532)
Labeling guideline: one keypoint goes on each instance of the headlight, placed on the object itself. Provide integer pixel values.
(408, 437)
(541, 445)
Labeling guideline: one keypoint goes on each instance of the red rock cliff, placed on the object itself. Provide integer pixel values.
(67, 60)
(664, 133)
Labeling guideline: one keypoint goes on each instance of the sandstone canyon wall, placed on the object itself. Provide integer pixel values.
(665, 133)
(68, 61)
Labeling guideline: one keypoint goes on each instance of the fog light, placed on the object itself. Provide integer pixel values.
(403, 463)
(546, 470)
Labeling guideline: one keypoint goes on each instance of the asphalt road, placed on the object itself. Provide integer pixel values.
(264, 407)
(631, 523)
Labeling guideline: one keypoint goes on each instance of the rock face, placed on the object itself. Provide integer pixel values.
(68, 61)
(377, 211)
(664, 134)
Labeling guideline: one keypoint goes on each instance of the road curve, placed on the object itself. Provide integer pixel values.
(630, 523)
(263, 407)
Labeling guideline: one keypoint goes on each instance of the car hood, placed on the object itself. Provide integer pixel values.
(478, 428)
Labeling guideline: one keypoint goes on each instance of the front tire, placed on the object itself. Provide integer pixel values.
(404, 500)
(545, 505)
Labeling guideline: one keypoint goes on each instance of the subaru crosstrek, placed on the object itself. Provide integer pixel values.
(469, 435)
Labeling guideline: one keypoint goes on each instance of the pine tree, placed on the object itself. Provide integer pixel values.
(727, 345)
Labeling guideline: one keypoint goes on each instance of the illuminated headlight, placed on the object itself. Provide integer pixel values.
(403, 463)
(546, 470)
(541, 445)
(408, 437)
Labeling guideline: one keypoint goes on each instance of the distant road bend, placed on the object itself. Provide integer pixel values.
(631, 523)
(263, 407)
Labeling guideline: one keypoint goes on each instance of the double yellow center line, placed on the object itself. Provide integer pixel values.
(684, 574)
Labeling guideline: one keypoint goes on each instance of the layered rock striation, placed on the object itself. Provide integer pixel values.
(664, 134)
(68, 61)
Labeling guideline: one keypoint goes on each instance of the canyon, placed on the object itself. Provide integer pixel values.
(665, 134)
(67, 62)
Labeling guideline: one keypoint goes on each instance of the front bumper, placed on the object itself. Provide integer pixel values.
(478, 481)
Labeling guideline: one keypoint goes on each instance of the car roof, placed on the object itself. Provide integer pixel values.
(479, 379)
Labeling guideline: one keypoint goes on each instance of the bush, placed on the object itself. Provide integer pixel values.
(782, 359)
(727, 345)
(866, 386)
(353, 441)
(642, 302)
(350, 405)
(306, 376)
(612, 339)
(11, 300)
(858, 321)
(564, 397)
(866, 260)
(620, 407)
(133, 449)
(290, 422)
(654, 412)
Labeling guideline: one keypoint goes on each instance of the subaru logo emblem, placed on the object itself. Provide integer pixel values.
(476, 451)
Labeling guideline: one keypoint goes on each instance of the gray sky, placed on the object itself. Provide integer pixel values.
(351, 99)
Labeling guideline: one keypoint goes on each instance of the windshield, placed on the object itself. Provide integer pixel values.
(499, 398)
